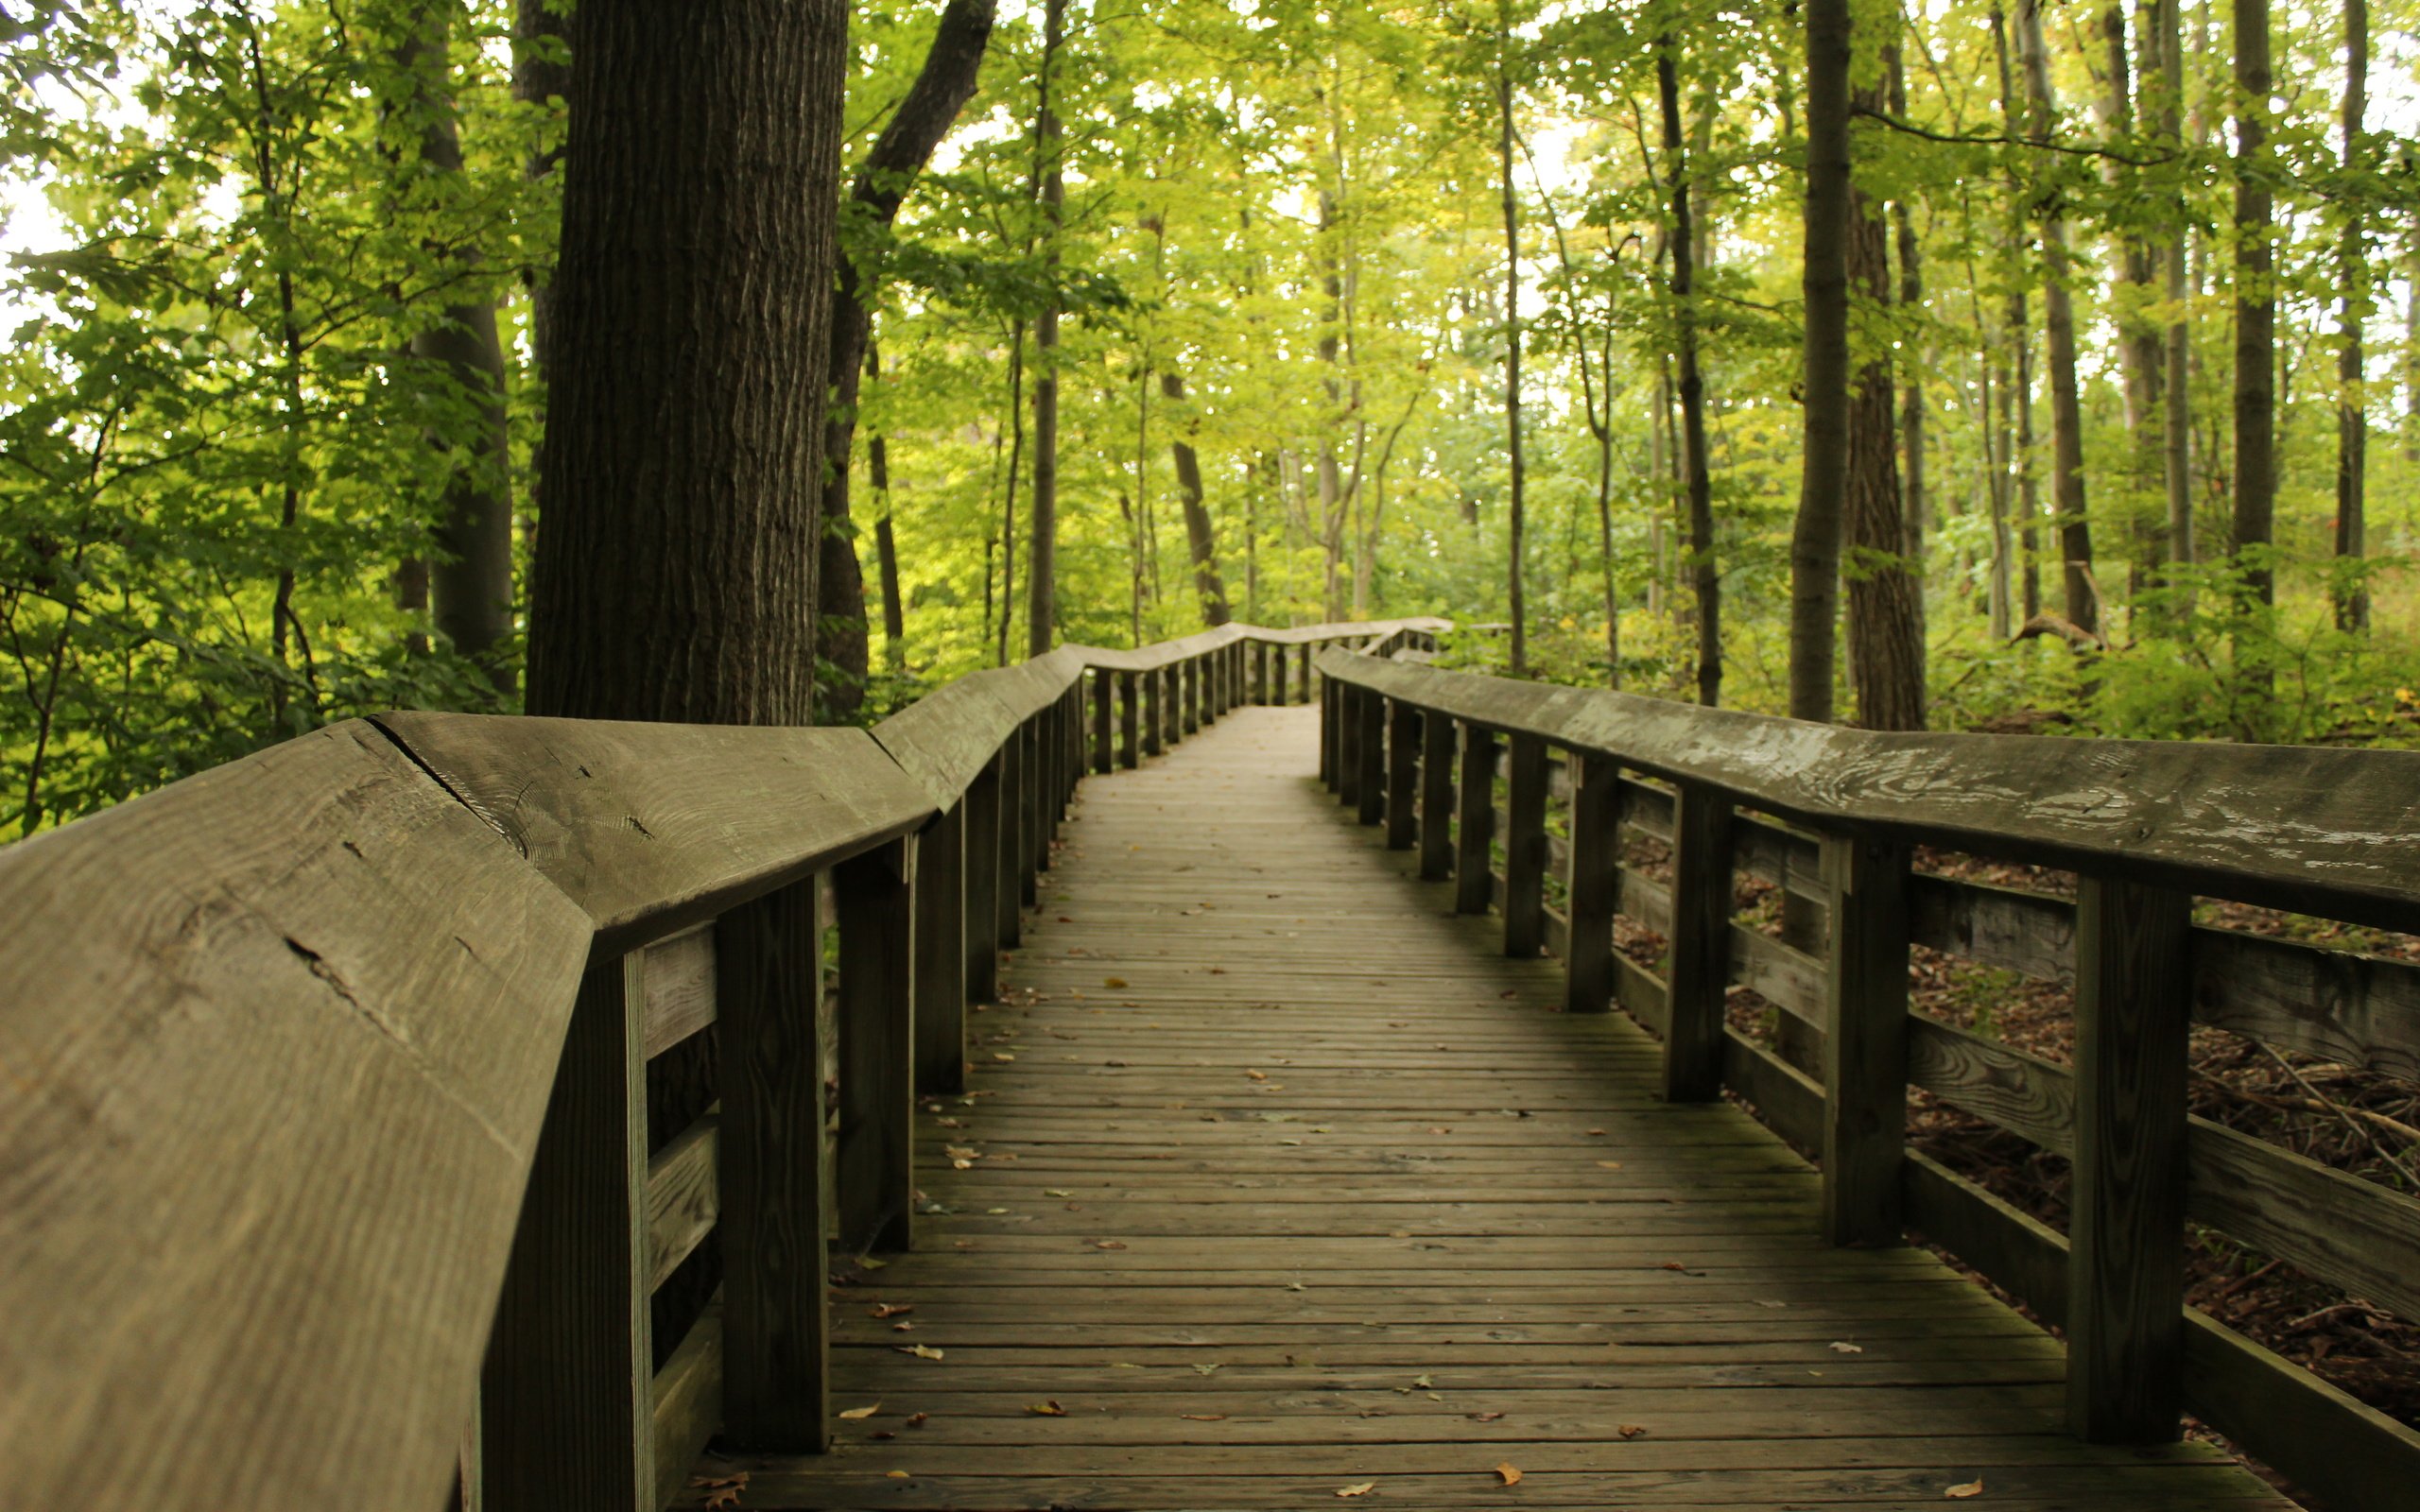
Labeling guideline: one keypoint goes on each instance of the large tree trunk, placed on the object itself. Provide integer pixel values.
(469, 585)
(2353, 275)
(924, 115)
(1815, 541)
(1042, 559)
(1515, 522)
(2059, 326)
(1698, 478)
(1885, 631)
(675, 578)
(1208, 585)
(2256, 307)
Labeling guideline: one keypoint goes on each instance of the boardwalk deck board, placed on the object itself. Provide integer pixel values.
(1276, 1179)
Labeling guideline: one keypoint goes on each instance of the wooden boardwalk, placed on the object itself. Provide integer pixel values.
(1278, 1185)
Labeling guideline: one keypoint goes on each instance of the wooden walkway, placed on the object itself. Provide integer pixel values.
(1279, 1185)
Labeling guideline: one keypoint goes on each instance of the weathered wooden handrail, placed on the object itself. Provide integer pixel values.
(325, 1175)
(2146, 827)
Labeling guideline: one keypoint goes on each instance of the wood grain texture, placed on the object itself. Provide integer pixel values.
(1591, 885)
(687, 1404)
(982, 914)
(651, 828)
(2310, 828)
(1865, 1048)
(1524, 837)
(941, 954)
(873, 1159)
(1436, 797)
(1369, 748)
(315, 957)
(2126, 1224)
(1475, 822)
(684, 1197)
(947, 736)
(1104, 720)
(1403, 776)
(1696, 999)
(680, 988)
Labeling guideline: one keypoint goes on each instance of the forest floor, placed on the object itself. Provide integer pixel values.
(2346, 1117)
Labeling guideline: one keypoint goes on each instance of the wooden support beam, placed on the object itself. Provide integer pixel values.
(1305, 673)
(1258, 651)
(1403, 773)
(1010, 887)
(1189, 696)
(772, 1209)
(1154, 722)
(2126, 1224)
(1347, 705)
(1525, 848)
(1036, 816)
(1129, 722)
(565, 1418)
(1370, 749)
(982, 860)
(941, 954)
(1475, 824)
(1169, 707)
(1436, 795)
(1104, 747)
(1700, 945)
(1865, 1046)
(874, 1162)
(1592, 885)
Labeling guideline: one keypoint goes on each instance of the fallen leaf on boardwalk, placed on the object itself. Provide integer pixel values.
(1218, 971)
(961, 1166)
(1295, 1286)
(1611, 1166)
(1838, 1348)
(921, 1351)
(1630, 1429)
(1207, 1370)
(893, 1309)
(1507, 1475)
(1596, 1131)
(1045, 1409)
(860, 1413)
(884, 1437)
(1108, 1244)
(1973, 1487)
(901, 1328)
(1357, 1489)
(1486, 1416)
(1205, 1416)
(895, 1475)
(721, 1490)
(1001, 1055)
(1112, 981)
(869, 1263)
(1057, 1191)
(951, 1122)
(1441, 1131)
(1064, 920)
(1258, 1075)
(1423, 1381)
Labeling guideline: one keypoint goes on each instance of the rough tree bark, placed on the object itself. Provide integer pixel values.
(1915, 500)
(1885, 632)
(1815, 540)
(2256, 305)
(1698, 480)
(2059, 327)
(2353, 275)
(676, 574)
(2176, 453)
(1042, 556)
(1514, 517)
(1208, 585)
(944, 85)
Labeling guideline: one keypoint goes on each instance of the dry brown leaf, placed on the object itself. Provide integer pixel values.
(1611, 1166)
(722, 1491)
(1630, 1429)
(996, 1055)
(1486, 1416)
(921, 1351)
(1108, 1244)
(1961, 1492)
(1204, 1417)
(1045, 1409)
(1838, 1348)
(894, 1475)
(1507, 1475)
(860, 1413)
(1357, 1489)
(1112, 981)
(893, 1309)
(919, 1420)
(1258, 1075)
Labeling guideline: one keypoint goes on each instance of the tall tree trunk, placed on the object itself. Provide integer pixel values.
(1208, 585)
(1041, 559)
(1007, 537)
(1515, 522)
(1815, 541)
(894, 607)
(691, 324)
(542, 81)
(2059, 326)
(1331, 480)
(1885, 633)
(2255, 308)
(1698, 480)
(942, 86)
(470, 582)
(2139, 349)
(1912, 400)
(1999, 438)
(2353, 309)
(2176, 449)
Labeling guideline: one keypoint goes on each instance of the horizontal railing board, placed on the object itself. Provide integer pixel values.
(945, 739)
(653, 826)
(684, 1197)
(279, 1039)
(685, 1403)
(1167, 653)
(680, 979)
(2306, 828)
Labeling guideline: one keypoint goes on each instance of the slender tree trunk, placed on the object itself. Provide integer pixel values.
(1698, 479)
(1885, 632)
(2255, 308)
(1516, 521)
(1008, 499)
(1998, 438)
(1331, 482)
(2139, 349)
(469, 583)
(691, 324)
(1815, 541)
(2059, 326)
(894, 607)
(1912, 400)
(1042, 562)
(542, 82)
(2353, 309)
(942, 86)
(1208, 587)
(2177, 391)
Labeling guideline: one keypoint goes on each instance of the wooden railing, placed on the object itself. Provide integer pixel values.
(325, 1178)
(1831, 817)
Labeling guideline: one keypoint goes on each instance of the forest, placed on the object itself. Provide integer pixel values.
(1966, 364)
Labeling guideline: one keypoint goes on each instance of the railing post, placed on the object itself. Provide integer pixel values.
(1369, 750)
(1071, 752)
(1591, 883)
(1475, 825)
(872, 1163)
(1305, 670)
(1103, 753)
(1525, 848)
(1010, 858)
(2126, 1212)
(984, 848)
(1865, 1044)
(1129, 753)
(1436, 795)
(566, 1401)
(1403, 770)
(1033, 839)
(1260, 673)
(1698, 979)
(1274, 663)
(772, 1205)
(1154, 724)
(940, 952)
(1169, 709)
(1188, 701)
(1348, 743)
